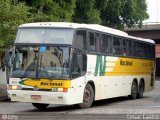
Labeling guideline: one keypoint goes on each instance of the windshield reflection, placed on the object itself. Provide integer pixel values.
(41, 62)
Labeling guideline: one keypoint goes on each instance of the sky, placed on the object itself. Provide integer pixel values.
(153, 10)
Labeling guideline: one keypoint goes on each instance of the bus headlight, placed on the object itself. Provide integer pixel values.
(15, 87)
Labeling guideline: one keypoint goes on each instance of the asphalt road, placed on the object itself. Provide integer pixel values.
(147, 108)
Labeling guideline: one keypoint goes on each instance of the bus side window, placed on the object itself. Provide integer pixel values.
(79, 65)
(142, 50)
(136, 49)
(80, 40)
(116, 50)
(124, 47)
(130, 48)
(151, 51)
(97, 42)
(92, 42)
(105, 40)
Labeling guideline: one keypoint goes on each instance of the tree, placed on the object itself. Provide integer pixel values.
(12, 14)
(120, 13)
(112, 13)
(135, 12)
(52, 10)
(86, 12)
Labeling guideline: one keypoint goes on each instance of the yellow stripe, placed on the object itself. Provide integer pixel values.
(131, 66)
(47, 84)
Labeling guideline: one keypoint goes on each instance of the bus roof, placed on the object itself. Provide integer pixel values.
(95, 27)
(75, 25)
(141, 39)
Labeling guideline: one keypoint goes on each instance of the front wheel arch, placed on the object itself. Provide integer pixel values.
(88, 97)
(93, 86)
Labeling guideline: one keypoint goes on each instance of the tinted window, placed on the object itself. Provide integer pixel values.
(142, 50)
(97, 41)
(105, 41)
(79, 64)
(94, 39)
(92, 42)
(130, 48)
(116, 50)
(80, 40)
(152, 51)
(124, 47)
(136, 49)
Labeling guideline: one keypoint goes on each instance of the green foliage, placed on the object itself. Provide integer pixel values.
(86, 12)
(52, 10)
(110, 12)
(134, 12)
(12, 14)
(120, 13)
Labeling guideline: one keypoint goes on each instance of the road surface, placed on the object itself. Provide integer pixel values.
(147, 108)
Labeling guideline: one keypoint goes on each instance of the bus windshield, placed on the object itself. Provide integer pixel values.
(41, 62)
(45, 35)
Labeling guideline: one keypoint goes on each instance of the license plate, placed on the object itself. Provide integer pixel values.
(35, 97)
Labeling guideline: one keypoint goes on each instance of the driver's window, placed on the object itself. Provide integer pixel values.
(79, 63)
(75, 66)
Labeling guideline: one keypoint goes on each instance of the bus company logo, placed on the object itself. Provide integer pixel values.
(100, 65)
(126, 63)
(51, 84)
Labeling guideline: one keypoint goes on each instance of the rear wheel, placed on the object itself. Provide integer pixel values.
(40, 106)
(140, 90)
(88, 97)
(134, 90)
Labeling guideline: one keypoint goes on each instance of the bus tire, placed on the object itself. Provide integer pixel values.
(88, 97)
(40, 106)
(134, 90)
(140, 90)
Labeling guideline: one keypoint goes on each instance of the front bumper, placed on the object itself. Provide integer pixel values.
(46, 97)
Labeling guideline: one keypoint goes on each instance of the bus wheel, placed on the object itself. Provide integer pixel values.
(133, 90)
(140, 90)
(40, 106)
(88, 97)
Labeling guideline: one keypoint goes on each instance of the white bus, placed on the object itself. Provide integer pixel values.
(70, 63)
